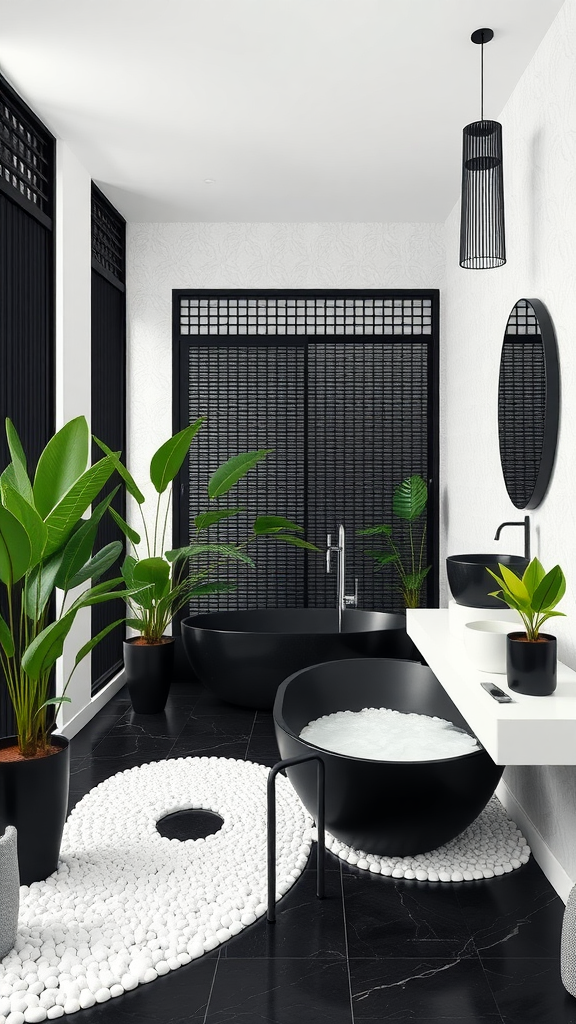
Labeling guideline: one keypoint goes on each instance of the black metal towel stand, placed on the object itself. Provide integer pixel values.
(271, 828)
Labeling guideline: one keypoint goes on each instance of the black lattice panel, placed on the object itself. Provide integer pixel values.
(521, 412)
(108, 236)
(25, 154)
(253, 397)
(367, 426)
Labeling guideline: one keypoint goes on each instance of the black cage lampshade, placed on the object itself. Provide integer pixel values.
(482, 240)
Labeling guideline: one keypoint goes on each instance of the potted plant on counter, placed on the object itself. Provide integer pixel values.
(409, 504)
(168, 580)
(531, 655)
(45, 545)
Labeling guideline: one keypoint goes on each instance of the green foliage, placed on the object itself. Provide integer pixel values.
(46, 544)
(408, 503)
(168, 580)
(533, 596)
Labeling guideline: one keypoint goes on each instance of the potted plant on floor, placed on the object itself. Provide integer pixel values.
(408, 504)
(170, 579)
(45, 545)
(531, 656)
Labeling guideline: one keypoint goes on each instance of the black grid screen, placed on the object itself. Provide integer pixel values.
(521, 402)
(26, 154)
(108, 237)
(348, 419)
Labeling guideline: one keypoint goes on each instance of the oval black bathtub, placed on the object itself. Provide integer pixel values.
(243, 656)
(382, 807)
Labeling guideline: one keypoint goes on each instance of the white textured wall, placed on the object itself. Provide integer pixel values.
(166, 256)
(539, 137)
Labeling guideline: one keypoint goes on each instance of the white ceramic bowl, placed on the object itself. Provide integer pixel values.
(485, 643)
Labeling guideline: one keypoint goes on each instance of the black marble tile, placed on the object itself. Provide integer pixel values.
(529, 990)
(518, 914)
(169, 723)
(412, 989)
(209, 704)
(403, 919)
(125, 742)
(208, 745)
(180, 997)
(238, 724)
(86, 741)
(305, 926)
(280, 990)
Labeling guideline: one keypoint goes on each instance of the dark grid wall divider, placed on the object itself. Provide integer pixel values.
(27, 385)
(521, 402)
(108, 419)
(346, 397)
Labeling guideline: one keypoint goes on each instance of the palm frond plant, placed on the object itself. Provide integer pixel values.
(46, 546)
(408, 504)
(166, 581)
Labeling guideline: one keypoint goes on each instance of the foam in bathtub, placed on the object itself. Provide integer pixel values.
(382, 734)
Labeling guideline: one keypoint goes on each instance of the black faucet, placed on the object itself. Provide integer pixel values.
(526, 525)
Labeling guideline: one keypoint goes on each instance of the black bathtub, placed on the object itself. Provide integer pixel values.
(382, 807)
(244, 656)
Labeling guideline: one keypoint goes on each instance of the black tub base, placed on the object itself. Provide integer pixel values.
(390, 808)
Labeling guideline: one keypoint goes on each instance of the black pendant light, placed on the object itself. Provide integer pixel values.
(482, 241)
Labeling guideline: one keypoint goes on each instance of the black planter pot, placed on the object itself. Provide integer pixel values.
(34, 798)
(531, 664)
(148, 669)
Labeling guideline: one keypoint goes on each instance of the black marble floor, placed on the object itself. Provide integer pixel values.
(375, 949)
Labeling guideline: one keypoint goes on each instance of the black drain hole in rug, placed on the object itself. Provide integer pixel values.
(189, 824)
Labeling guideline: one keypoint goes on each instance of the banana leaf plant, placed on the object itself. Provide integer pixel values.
(409, 504)
(161, 582)
(45, 546)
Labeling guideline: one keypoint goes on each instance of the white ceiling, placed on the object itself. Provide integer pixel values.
(299, 110)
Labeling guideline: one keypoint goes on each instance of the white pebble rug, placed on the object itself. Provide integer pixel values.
(492, 845)
(127, 905)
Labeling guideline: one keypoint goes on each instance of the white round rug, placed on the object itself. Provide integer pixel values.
(492, 845)
(127, 905)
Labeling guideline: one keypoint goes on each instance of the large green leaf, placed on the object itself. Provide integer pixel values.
(414, 580)
(513, 584)
(72, 506)
(410, 498)
(533, 575)
(205, 519)
(95, 640)
(98, 565)
(127, 570)
(153, 572)
(28, 517)
(62, 462)
(550, 591)
(40, 584)
(230, 472)
(195, 550)
(273, 524)
(131, 485)
(126, 530)
(21, 479)
(217, 587)
(15, 549)
(78, 550)
(46, 648)
(382, 557)
(167, 461)
(298, 542)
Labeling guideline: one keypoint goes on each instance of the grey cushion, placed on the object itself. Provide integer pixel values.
(568, 945)
(9, 890)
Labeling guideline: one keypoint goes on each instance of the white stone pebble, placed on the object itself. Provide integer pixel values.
(491, 846)
(127, 906)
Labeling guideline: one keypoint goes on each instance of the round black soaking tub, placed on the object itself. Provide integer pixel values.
(243, 656)
(390, 808)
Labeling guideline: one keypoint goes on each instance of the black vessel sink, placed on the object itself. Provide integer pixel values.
(469, 582)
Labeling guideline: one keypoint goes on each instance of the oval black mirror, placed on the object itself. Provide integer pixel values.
(528, 402)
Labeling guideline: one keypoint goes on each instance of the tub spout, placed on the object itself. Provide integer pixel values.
(526, 525)
(343, 600)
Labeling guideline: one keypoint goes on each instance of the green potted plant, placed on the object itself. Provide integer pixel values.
(531, 655)
(45, 546)
(409, 504)
(168, 580)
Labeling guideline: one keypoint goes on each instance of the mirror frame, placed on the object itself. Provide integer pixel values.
(551, 400)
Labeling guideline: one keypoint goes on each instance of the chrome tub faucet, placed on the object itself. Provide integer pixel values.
(343, 600)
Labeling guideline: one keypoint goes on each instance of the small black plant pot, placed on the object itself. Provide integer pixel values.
(148, 669)
(531, 664)
(34, 798)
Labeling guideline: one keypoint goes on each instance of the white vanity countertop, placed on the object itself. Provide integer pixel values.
(533, 730)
